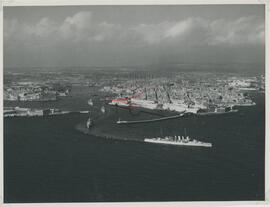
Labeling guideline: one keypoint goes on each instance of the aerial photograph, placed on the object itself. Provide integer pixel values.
(134, 103)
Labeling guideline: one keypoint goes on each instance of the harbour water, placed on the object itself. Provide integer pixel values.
(49, 159)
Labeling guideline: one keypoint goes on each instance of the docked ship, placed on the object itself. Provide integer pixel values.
(155, 106)
(178, 140)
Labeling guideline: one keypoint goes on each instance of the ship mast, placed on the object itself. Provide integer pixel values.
(155, 90)
(145, 91)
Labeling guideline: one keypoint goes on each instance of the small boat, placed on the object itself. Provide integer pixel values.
(90, 102)
(103, 110)
(89, 123)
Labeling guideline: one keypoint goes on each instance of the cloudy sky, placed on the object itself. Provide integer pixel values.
(133, 35)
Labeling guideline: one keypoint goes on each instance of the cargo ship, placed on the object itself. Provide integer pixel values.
(178, 140)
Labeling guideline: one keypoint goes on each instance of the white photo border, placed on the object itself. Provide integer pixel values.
(10, 3)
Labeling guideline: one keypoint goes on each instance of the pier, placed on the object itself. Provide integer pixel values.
(150, 120)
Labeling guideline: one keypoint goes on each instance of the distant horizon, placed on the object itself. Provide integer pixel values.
(243, 68)
(132, 66)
